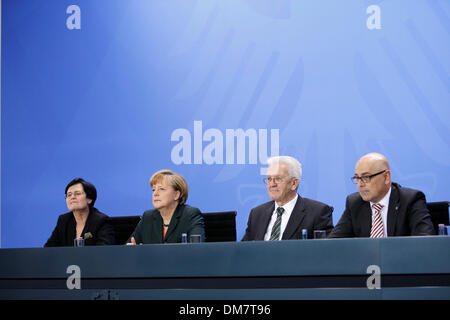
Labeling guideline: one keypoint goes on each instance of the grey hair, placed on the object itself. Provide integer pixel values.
(294, 166)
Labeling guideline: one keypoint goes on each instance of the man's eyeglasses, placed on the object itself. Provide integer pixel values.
(76, 194)
(275, 179)
(365, 179)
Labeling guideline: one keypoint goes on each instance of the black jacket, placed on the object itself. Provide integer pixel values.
(96, 232)
(307, 214)
(185, 219)
(407, 215)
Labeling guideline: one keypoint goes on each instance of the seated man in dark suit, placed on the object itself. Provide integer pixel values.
(382, 208)
(288, 213)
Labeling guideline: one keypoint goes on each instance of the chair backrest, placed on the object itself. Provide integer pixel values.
(123, 227)
(220, 226)
(439, 213)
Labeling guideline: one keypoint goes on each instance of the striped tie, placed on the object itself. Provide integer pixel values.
(275, 235)
(377, 222)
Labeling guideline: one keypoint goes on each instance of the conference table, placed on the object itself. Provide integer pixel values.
(363, 268)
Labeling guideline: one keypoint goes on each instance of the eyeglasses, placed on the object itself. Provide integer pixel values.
(275, 179)
(76, 194)
(366, 179)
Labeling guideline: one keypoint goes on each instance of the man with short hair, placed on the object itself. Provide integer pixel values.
(382, 208)
(288, 213)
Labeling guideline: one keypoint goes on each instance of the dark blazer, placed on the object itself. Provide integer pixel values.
(96, 231)
(307, 214)
(407, 215)
(185, 219)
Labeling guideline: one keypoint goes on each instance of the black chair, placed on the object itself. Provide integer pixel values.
(123, 227)
(220, 226)
(439, 213)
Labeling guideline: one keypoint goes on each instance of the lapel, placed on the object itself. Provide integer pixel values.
(394, 205)
(173, 223)
(88, 222)
(156, 225)
(71, 228)
(265, 219)
(297, 216)
(366, 219)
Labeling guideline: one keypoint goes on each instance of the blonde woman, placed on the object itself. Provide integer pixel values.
(171, 216)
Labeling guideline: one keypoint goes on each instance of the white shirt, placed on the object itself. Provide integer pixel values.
(288, 208)
(384, 211)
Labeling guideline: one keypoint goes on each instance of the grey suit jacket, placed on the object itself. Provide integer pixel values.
(307, 214)
(407, 215)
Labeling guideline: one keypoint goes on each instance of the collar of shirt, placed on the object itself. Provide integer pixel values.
(288, 208)
(384, 211)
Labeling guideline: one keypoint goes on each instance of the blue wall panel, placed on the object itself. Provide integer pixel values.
(147, 85)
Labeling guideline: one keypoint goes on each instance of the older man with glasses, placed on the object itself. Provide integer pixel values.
(382, 208)
(288, 214)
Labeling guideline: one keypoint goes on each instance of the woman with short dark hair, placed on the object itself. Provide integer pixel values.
(83, 220)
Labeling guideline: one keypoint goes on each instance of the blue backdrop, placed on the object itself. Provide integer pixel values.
(114, 90)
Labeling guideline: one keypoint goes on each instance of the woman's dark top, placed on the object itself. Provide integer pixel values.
(97, 231)
(185, 219)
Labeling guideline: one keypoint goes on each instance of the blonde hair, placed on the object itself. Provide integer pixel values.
(172, 179)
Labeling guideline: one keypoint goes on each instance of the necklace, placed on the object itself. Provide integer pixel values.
(165, 225)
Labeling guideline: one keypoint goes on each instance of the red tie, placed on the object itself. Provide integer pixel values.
(377, 222)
